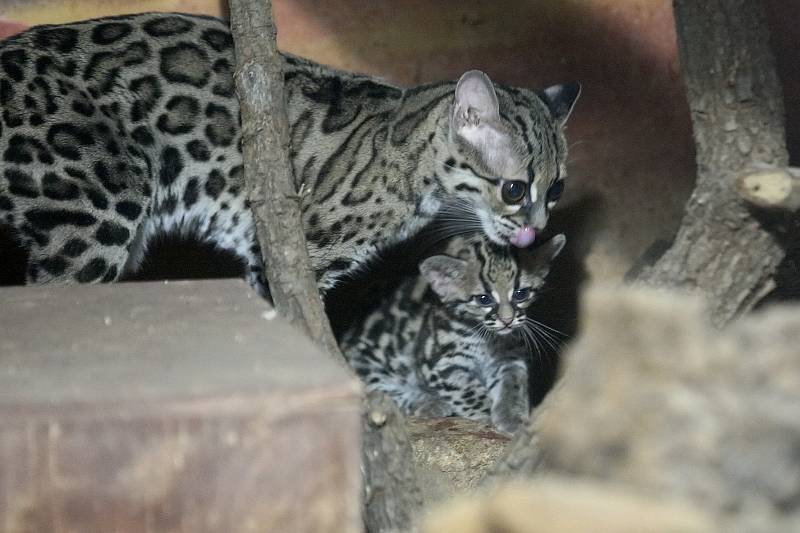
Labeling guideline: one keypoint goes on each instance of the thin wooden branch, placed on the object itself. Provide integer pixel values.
(268, 171)
(776, 189)
(389, 479)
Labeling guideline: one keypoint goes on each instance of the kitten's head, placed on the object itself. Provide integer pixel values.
(507, 161)
(493, 284)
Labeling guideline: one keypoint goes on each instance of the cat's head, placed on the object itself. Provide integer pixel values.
(507, 161)
(489, 283)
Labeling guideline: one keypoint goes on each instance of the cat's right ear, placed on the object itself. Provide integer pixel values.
(539, 258)
(560, 100)
(475, 107)
(445, 275)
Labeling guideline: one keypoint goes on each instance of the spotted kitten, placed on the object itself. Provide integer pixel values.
(118, 129)
(448, 343)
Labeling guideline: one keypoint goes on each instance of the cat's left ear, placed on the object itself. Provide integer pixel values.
(560, 100)
(445, 275)
(475, 106)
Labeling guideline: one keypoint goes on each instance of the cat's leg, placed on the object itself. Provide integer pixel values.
(507, 382)
(76, 231)
(94, 248)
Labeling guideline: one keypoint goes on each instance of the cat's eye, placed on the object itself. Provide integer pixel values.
(484, 300)
(555, 190)
(513, 191)
(520, 295)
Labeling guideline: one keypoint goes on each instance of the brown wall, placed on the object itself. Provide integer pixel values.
(631, 165)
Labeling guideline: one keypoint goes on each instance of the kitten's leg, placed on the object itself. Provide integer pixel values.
(373, 366)
(369, 364)
(457, 387)
(507, 381)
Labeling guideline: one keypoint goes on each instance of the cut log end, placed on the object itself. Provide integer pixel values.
(775, 189)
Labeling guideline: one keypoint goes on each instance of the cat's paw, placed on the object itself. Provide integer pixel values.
(432, 408)
(508, 421)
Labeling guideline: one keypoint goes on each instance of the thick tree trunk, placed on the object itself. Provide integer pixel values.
(389, 480)
(738, 118)
(721, 249)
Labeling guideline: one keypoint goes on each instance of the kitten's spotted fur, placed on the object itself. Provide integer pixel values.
(448, 343)
(114, 130)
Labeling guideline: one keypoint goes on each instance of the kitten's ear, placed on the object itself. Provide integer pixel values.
(475, 102)
(560, 100)
(445, 275)
(539, 258)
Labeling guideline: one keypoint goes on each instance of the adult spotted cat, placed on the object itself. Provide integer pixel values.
(117, 129)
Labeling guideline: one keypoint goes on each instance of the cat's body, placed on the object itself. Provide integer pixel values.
(438, 351)
(116, 129)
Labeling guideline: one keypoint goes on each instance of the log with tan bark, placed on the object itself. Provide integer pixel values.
(721, 249)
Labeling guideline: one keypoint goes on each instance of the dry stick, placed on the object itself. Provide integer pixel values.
(392, 495)
(736, 104)
(268, 171)
(775, 189)
(737, 114)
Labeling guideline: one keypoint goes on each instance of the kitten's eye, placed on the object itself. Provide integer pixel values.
(513, 191)
(520, 295)
(555, 190)
(483, 299)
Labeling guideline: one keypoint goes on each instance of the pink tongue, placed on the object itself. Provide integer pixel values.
(524, 237)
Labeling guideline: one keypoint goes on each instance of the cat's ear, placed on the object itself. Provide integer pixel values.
(475, 105)
(539, 259)
(445, 275)
(560, 99)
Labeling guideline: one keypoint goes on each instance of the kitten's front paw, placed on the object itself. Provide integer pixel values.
(432, 408)
(508, 422)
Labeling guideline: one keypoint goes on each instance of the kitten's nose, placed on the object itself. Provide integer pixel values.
(505, 315)
(523, 237)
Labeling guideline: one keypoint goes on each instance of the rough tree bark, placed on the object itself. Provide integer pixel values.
(737, 113)
(390, 487)
(392, 497)
(721, 248)
(268, 171)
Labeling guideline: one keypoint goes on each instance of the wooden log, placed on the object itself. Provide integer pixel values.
(170, 407)
(773, 189)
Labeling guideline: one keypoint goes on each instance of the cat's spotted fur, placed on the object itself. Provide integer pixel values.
(116, 129)
(449, 342)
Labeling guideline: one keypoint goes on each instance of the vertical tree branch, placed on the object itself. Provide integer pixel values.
(737, 114)
(390, 486)
(268, 171)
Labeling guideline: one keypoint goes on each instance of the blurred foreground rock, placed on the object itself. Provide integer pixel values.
(452, 455)
(560, 505)
(655, 399)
